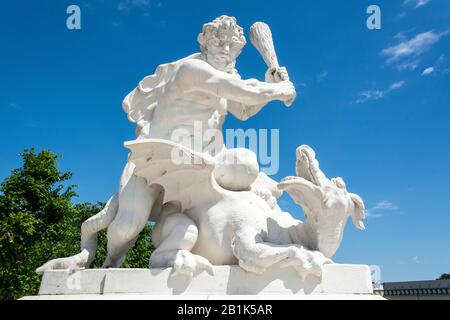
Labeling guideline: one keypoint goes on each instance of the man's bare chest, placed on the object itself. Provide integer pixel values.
(195, 102)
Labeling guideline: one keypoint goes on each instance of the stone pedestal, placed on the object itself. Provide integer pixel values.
(339, 281)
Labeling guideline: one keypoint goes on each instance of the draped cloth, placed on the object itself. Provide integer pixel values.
(140, 104)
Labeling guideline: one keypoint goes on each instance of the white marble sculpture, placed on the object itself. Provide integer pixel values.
(212, 205)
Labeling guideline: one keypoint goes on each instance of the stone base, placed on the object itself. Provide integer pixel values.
(339, 281)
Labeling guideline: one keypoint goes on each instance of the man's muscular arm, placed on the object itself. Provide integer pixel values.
(198, 75)
(243, 111)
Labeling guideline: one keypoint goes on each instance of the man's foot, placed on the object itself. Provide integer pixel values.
(77, 261)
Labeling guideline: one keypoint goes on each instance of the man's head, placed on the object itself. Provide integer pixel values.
(221, 42)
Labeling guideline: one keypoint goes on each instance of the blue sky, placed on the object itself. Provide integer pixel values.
(374, 104)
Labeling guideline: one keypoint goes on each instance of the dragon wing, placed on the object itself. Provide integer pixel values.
(303, 192)
(182, 172)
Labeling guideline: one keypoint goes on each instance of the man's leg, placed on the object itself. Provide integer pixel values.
(136, 200)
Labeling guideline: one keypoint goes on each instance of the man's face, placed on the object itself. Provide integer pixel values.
(222, 49)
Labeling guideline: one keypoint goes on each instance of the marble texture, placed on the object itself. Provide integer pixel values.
(228, 280)
(211, 205)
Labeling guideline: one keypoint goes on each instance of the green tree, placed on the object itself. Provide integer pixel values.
(39, 222)
(444, 276)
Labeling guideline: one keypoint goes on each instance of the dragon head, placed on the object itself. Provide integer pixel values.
(326, 202)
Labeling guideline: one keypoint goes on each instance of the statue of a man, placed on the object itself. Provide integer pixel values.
(201, 88)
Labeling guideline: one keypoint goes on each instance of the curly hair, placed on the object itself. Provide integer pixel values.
(212, 29)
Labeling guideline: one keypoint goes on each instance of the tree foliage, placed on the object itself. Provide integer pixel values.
(444, 276)
(39, 222)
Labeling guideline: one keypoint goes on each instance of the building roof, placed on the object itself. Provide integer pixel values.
(427, 284)
(417, 288)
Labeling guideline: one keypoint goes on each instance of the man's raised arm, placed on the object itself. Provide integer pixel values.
(198, 75)
(243, 111)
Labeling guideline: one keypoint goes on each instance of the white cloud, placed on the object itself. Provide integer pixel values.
(421, 3)
(380, 208)
(141, 3)
(428, 71)
(416, 259)
(299, 84)
(367, 95)
(372, 215)
(417, 3)
(397, 85)
(400, 36)
(413, 47)
(125, 5)
(408, 65)
(14, 106)
(385, 205)
(322, 76)
(370, 95)
(437, 68)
